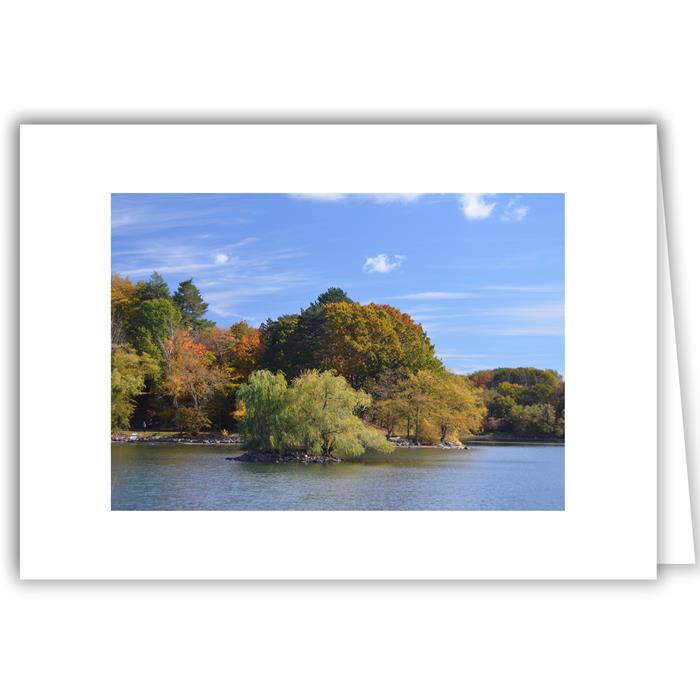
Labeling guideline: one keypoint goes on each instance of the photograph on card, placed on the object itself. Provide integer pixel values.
(335, 351)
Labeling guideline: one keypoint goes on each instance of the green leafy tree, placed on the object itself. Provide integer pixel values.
(333, 295)
(324, 411)
(317, 414)
(153, 322)
(281, 350)
(263, 412)
(524, 400)
(154, 288)
(537, 420)
(129, 373)
(192, 307)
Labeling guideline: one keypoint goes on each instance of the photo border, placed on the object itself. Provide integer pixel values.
(608, 176)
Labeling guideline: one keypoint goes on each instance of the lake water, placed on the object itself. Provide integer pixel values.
(198, 477)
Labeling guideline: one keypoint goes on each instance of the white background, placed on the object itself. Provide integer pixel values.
(483, 62)
(607, 530)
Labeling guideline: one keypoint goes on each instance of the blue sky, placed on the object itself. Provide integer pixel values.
(484, 274)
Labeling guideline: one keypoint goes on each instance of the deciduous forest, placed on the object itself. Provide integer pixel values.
(336, 375)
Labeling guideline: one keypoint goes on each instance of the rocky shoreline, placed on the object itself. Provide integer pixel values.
(167, 439)
(234, 440)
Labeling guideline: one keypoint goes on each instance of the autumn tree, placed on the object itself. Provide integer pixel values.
(420, 396)
(458, 408)
(124, 298)
(416, 351)
(244, 351)
(165, 350)
(482, 379)
(389, 406)
(129, 373)
(358, 341)
(236, 351)
(190, 378)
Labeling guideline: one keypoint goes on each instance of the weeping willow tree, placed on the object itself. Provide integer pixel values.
(263, 412)
(318, 414)
(325, 411)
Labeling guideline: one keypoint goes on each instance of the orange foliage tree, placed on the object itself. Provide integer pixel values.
(190, 379)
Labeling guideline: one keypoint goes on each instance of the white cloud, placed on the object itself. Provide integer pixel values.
(329, 197)
(437, 295)
(512, 212)
(475, 206)
(383, 263)
(221, 258)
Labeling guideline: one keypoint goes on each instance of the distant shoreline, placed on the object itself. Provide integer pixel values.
(162, 438)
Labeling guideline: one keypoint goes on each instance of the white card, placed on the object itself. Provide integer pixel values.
(608, 526)
(676, 544)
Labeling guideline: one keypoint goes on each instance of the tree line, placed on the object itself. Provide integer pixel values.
(340, 371)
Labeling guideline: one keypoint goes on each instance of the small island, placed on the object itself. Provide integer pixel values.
(311, 420)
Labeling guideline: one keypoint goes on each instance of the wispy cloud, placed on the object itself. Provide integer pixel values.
(421, 317)
(383, 263)
(319, 196)
(513, 212)
(229, 292)
(458, 356)
(475, 207)
(529, 312)
(524, 330)
(388, 198)
(376, 197)
(244, 241)
(162, 255)
(437, 295)
(169, 269)
(524, 288)
(128, 217)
